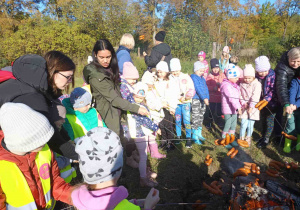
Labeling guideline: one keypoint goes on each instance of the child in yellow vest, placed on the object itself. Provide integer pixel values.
(101, 161)
(80, 117)
(29, 174)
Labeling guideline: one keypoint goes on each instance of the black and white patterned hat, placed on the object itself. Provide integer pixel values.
(100, 155)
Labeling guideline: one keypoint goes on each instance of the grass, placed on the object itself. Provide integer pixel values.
(181, 174)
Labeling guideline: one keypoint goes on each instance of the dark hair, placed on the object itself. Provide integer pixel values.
(56, 62)
(104, 44)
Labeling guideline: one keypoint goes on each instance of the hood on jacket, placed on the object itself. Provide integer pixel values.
(107, 198)
(67, 104)
(32, 70)
(121, 47)
(163, 48)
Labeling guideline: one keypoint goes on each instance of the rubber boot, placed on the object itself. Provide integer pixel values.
(287, 145)
(154, 151)
(195, 137)
(199, 133)
(298, 143)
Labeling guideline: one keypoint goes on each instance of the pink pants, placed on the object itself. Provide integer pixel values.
(141, 145)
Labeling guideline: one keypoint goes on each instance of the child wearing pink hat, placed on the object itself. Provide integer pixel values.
(201, 58)
(250, 95)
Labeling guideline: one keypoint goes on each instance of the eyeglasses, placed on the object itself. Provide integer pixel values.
(67, 77)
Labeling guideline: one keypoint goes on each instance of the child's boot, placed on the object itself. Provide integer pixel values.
(199, 133)
(195, 137)
(287, 145)
(298, 143)
(154, 151)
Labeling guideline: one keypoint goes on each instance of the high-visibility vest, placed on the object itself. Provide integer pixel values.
(125, 204)
(68, 172)
(15, 187)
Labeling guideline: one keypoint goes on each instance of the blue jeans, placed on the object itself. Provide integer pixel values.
(183, 110)
(248, 125)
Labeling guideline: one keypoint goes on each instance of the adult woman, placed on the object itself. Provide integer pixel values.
(123, 53)
(37, 82)
(103, 76)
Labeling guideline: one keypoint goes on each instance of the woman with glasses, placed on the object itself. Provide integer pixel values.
(103, 76)
(38, 82)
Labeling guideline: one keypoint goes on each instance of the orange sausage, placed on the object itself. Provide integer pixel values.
(227, 137)
(274, 165)
(207, 157)
(234, 153)
(232, 138)
(278, 163)
(265, 103)
(222, 142)
(273, 171)
(239, 173)
(230, 151)
(291, 137)
(257, 170)
(259, 103)
(210, 189)
(287, 165)
(214, 186)
(242, 143)
(208, 162)
(248, 164)
(217, 142)
(253, 168)
(227, 140)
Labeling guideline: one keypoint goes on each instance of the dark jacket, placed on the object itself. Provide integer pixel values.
(31, 88)
(157, 53)
(284, 76)
(123, 55)
(108, 100)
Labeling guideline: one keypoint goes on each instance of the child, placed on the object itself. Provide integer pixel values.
(128, 79)
(231, 105)
(213, 81)
(101, 161)
(81, 117)
(199, 102)
(234, 60)
(141, 129)
(201, 58)
(167, 92)
(224, 60)
(293, 121)
(29, 174)
(266, 76)
(250, 95)
(187, 92)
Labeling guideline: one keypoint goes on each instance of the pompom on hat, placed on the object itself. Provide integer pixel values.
(262, 64)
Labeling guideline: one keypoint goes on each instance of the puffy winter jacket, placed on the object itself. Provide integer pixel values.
(60, 189)
(284, 76)
(200, 87)
(214, 83)
(30, 87)
(230, 97)
(157, 53)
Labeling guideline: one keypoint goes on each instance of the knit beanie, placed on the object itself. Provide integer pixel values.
(249, 71)
(100, 155)
(262, 64)
(148, 78)
(232, 71)
(198, 65)
(130, 71)
(175, 64)
(24, 128)
(80, 97)
(214, 63)
(160, 36)
(90, 59)
(162, 66)
(140, 89)
(202, 53)
(226, 49)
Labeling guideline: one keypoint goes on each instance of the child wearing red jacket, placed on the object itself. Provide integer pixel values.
(213, 81)
(29, 175)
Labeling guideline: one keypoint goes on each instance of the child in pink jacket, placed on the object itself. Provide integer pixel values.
(250, 95)
(213, 82)
(201, 58)
(231, 105)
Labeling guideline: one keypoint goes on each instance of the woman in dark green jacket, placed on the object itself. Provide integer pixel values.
(103, 76)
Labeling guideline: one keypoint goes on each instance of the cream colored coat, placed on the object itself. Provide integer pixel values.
(250, 95)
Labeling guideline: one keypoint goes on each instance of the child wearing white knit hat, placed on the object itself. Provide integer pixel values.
(250, 95)
(266, 76)
(26, 163)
